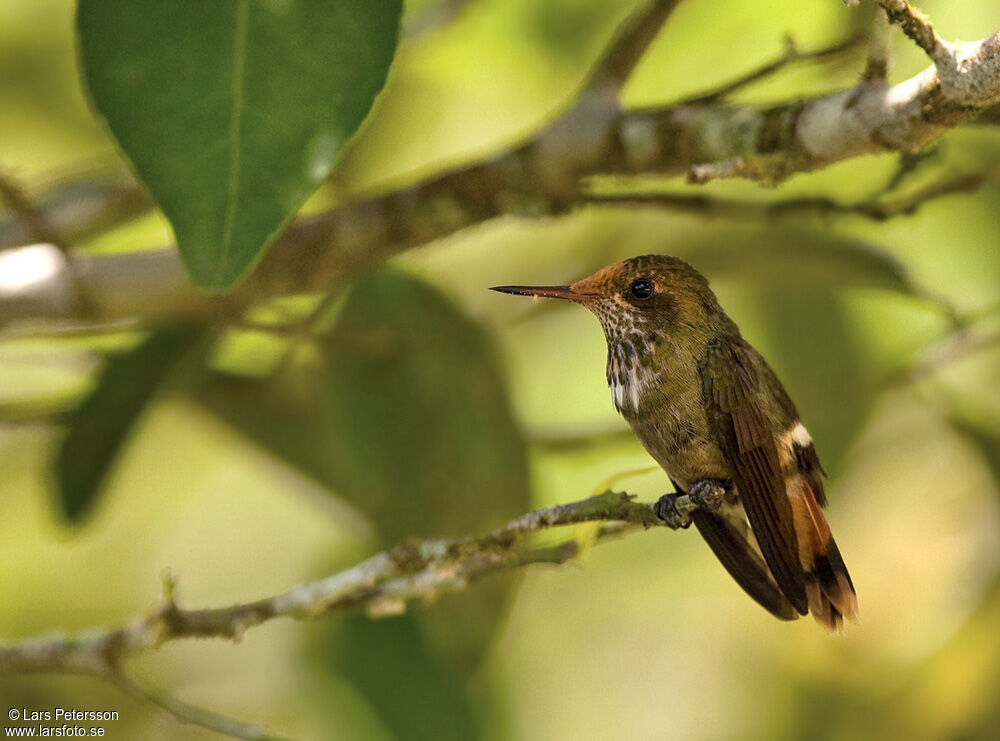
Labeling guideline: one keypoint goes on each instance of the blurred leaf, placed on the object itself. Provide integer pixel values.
(825, 710)
(233, 111)
(562, 27)
(401, 411)
(815, 348)
(800, 257)
(418, 697)
(989, 117)
(821, 364)
(967, 666)
(426, 443)
(985, 438)
(102, 423)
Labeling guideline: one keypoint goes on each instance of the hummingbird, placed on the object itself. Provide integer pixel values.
(710, 411)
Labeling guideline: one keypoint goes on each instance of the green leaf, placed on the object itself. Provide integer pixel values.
(102, 423)
(820, 360)
(800, 258)
(402, 412)
(426, 441)
(390, 662)
(233, 111)
(982, 434)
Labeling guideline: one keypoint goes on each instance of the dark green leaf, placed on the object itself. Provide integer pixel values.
(232, 111)
(417, 695)
(800, 258)
(820, 361)
(403, 413)
(800, 274)
(102, 423)
(984, 436)
(425, 440)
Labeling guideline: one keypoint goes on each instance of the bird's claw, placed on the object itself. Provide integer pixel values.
(666, 509)
(707, 494)
(675, 509)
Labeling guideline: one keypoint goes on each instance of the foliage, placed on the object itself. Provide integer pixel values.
(321, 405)
(399, 409)
(233, 112)
(105, 418)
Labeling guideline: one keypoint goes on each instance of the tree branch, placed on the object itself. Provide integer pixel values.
(791, 55)
(950, 348)
(877, 66)
(630, 43)
(917, 26)
(35, 224)
(880, 209)
(186, 713)
(547, 175)
(79, 210)
(382, 585)
(432, 16)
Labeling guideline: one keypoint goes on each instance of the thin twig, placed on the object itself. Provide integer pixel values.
(952, 347)
(631, 43)
(732, 208)
(791, 55)
(307, 329)
(382, 584)
(187, 713)
(877, 65)
(917, 27)
(432, 16)
(546, 176)
(79, 210)
(948, 71)
(907, 164)
(34, 220)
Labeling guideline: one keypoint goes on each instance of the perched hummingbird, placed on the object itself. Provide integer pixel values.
(709, 409)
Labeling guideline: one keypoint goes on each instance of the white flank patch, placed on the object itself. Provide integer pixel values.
(618, 395)
(637, 383)
(800, 435)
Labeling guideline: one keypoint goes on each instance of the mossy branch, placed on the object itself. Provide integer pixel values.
(384, 584)
(549, 173)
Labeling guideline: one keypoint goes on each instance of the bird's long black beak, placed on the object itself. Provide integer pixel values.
(565, 292)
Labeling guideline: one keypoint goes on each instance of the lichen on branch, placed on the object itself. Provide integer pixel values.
(385, 583)
(548, 173)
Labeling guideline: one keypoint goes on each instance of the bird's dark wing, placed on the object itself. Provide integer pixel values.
(806, 459)
(732, 399)
(742, 562)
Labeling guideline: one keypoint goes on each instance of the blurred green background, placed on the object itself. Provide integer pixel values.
(245, 484)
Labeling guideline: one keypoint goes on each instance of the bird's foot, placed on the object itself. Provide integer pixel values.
(707, 494)
(674, 516)
(675, 509)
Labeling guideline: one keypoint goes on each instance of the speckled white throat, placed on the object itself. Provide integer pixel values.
(632, 345)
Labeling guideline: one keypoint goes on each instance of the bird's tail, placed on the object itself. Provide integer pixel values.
(829, 589)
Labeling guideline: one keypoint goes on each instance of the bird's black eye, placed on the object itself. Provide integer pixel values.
(641, 289)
